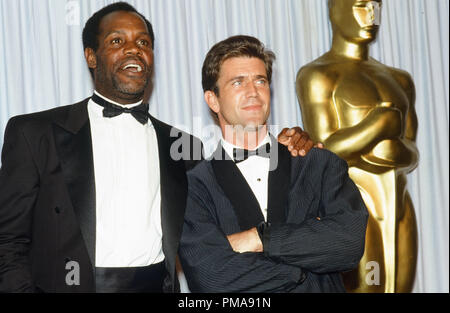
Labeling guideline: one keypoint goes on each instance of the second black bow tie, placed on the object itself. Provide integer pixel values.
(139, 112)
(240, 155)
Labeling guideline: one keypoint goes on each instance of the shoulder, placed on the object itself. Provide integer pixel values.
(201, 172)
(319, 161)
(202, 182)
(319, 168)
(171, 131)
(160, 124)
(320, 70)
(38, 121)
(403, 77)
(324, 63)
(178, 143)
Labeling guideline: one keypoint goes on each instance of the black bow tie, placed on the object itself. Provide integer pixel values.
(240, 155)
(139, 112)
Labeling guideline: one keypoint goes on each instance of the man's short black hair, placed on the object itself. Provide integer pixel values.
(91, 29)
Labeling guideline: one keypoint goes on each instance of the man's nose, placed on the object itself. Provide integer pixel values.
(252, 91)
(132, 48)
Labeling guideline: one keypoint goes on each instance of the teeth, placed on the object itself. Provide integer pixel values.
(137, 66)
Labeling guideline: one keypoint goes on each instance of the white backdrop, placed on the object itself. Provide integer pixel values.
(42, 66)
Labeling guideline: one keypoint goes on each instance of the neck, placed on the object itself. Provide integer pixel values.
(345, 48)
(242, 137)
(132, 99)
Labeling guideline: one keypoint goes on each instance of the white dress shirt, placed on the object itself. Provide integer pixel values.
(127, 188)
(255, 170)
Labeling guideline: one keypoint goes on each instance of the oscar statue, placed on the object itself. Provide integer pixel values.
(363, 111)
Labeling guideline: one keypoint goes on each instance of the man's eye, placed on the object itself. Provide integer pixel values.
(143, 42)
(116, 41)
(237, 83)
(261, 82)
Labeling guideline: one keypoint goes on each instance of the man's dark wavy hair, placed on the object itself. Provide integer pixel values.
(232, 47)
(92, 27)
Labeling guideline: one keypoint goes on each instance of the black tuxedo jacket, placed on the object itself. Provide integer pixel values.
(47, 200)
(317, 226)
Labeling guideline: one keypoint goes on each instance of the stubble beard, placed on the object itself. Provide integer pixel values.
(119, 87)
(128, 89)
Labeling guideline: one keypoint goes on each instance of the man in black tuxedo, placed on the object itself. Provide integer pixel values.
(257, 219)
(91, 199)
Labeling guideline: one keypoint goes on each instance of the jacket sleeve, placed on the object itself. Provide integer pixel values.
(19, 184)
(211, 265)
(332, 240)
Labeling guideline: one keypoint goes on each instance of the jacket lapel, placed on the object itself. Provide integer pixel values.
(279, 183)
(173, 192)
(241, 196)
(74, 146)
(237, 190)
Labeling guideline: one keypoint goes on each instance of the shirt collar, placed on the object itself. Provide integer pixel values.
(96, 111)
(116, 103)
(228, 147)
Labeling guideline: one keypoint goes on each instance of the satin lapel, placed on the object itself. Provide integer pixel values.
(74, 146)
(237, 190)
(279, 183)
(173, 192)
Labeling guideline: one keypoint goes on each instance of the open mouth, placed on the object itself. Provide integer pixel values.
(133, 68)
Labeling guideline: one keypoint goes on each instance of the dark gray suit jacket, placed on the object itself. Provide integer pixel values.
(317, 226)
(47, 200)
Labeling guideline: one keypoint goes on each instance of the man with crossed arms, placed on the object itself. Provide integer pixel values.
(258, 219)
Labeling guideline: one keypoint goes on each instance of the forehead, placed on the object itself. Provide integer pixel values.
(122, 20)
(236, 66)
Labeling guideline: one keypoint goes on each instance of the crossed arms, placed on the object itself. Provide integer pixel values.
(328, 237)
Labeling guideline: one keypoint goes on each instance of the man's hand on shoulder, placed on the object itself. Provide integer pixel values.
(297, 141)
(246, 241)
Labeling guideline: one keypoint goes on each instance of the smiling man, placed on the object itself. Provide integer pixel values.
(244, 100)
(87, 189)
(121, 55)
(258, 219)
(90, 198)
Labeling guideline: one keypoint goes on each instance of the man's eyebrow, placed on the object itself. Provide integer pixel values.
(113, 32)
(144, 33)
(241, 77)
(121, 32)
(236, 78)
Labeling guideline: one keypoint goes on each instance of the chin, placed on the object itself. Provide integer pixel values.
(132, 89)
(368, 35)
(253, 127)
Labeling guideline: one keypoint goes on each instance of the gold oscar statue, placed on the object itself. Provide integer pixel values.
(364, 111)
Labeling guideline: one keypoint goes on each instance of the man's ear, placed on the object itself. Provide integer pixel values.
(211, 100)
(91, 58)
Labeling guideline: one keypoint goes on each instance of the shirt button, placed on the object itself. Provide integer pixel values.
(259, 179)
